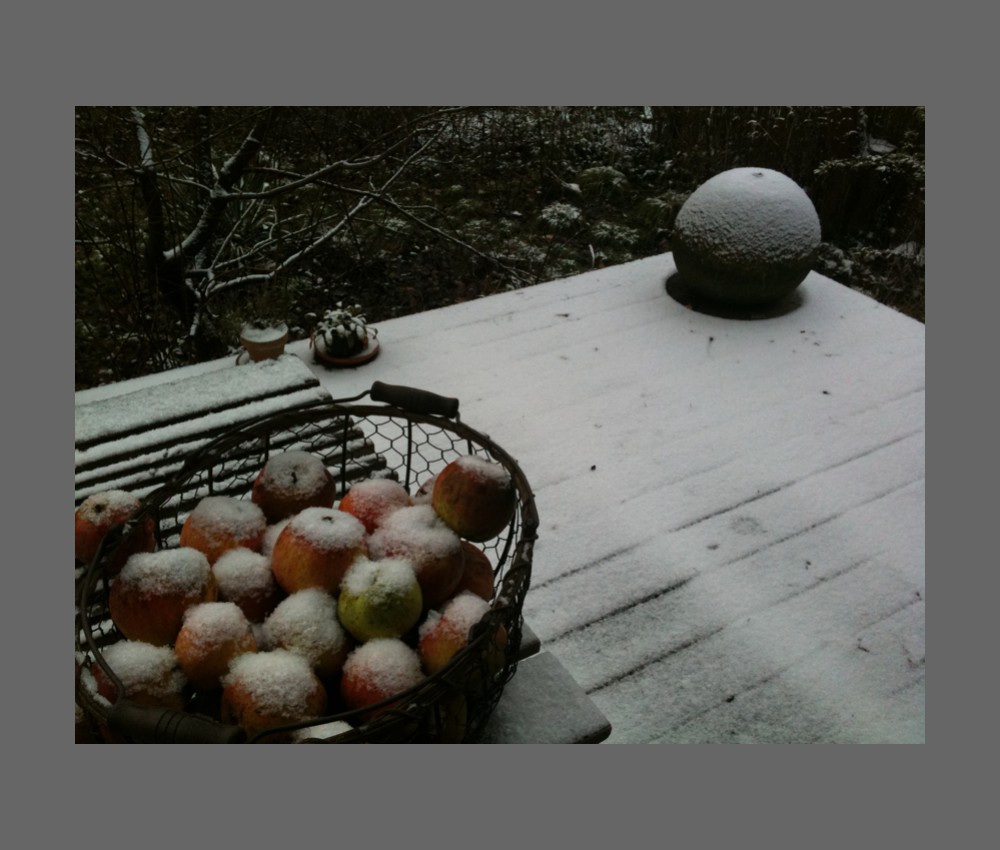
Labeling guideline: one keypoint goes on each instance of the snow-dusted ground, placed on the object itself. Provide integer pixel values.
(732, 512)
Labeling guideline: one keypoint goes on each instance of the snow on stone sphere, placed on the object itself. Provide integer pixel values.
(747, 235)
(753, 213)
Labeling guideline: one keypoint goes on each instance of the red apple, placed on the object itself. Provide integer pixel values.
(98, 514)
(149, 674)
(373, 499)
(245, 577)
(211, 636)
(316, 548)
(291, 482)
(380, 598)
(148, 599)
(220, 523)
(444, 633)
(271, 536)
(306, 623)
(418, 535)
(475, 497)
(478, 573)
(265, 689)
(378, 670)
(424, 492)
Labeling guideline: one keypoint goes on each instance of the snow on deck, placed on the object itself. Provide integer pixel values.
(166, 402)
(731, 545)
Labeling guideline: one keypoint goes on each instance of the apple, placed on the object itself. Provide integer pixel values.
(475, 497)
(98, 514)
(445, 632)
(245, 577)
(373, 499)
(378, 670)
(316, 548)
(424, 492)
(149, 674)
(265, 689)
(291, 482)
(271, 536)
(478, 573)
(306, 623)
(148, 599)
(419, 535)
(211, 636)
(380, 598)
(220, 523)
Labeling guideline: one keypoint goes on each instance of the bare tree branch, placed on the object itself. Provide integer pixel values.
(220, 196)
(366, 199)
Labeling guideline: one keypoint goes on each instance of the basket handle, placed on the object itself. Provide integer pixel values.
(154, 725)
(414, 400)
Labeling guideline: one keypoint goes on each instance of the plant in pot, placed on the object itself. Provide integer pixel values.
(264, 337)
(343, 337)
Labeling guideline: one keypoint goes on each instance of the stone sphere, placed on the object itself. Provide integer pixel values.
(745, 238)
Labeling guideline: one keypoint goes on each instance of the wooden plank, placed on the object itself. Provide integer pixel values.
(543, 704)
(178, 401)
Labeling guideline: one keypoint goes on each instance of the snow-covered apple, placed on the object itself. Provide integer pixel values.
(150, 675)
(316, 548)
(211, 636)
(378, 670)
(373, 499)
(101, 512)
(245, 577)
(424, 492)
(291, 482)
(148, 599)
(445, 632)
(265, 689)
(306, 623)
(271, 536)
(419, 535)
(380, 598)
(475, 497)
(220, 523)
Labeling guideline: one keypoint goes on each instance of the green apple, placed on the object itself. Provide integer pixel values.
(379, 599)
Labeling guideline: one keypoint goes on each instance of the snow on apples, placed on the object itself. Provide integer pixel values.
(268, 615)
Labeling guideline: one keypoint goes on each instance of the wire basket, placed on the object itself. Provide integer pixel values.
(408, 435)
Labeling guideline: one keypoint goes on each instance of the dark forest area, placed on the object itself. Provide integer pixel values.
(192, 220)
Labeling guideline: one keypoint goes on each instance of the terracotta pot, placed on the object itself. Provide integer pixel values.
(264, 344)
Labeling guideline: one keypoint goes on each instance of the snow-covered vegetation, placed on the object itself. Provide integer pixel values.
(191, 220)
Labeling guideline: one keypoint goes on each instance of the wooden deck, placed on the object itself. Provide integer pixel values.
(732, 512)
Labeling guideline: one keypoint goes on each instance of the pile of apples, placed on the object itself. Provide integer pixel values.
(288, 606)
